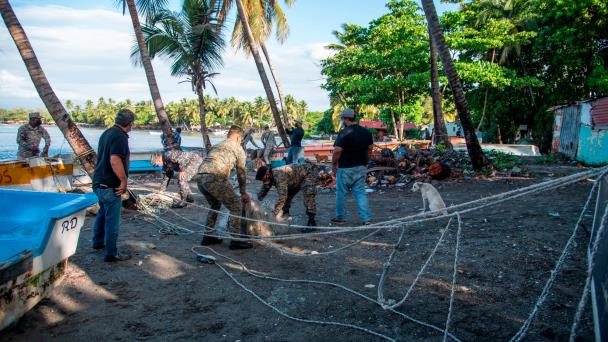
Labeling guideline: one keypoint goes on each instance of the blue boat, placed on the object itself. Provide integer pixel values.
(38, 232)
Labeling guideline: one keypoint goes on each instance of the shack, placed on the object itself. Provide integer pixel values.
(580, 131)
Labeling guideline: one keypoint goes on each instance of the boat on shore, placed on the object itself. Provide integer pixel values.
(38, 174)
(39, 231)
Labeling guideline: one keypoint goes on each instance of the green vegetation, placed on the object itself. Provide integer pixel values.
(515, 58)
(220, 112)
(503, 161)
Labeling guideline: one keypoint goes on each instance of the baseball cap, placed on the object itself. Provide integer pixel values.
(348, 113)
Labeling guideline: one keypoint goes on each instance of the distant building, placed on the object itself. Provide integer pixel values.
(580, 130)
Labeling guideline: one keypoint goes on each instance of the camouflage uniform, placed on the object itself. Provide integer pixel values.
(289, 179)
(269, 141)
(247, 139)
(213, 181)
(188, 164)
(28, 139)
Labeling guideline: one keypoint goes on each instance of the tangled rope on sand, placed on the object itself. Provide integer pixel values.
(416, 219)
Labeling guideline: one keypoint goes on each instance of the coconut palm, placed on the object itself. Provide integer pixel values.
(265, 15)
(192, 41)
(441, 132)
(478, 159)
(149, 8)
(243, 17)
(64, 122)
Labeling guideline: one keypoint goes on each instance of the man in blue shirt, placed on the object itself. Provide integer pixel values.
(110, 183)
(296, 151)
(350, 157)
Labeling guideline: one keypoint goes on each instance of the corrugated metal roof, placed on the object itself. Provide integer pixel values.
(599, 112)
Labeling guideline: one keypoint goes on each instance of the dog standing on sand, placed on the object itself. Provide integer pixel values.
(430, 195)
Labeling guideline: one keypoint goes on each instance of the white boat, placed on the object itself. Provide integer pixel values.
(38, 232)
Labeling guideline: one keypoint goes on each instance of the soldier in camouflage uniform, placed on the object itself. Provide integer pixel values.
(248, 138)
(213, 182)
(289, 180)
(269, 141)
(29, 136)
(187, 163)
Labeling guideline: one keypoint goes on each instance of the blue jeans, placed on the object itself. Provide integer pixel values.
(352, 179)
(295, 155)
(107, 222)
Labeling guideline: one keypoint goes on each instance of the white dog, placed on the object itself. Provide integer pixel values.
(430, 194)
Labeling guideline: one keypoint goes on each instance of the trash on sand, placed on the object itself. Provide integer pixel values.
(553, 214)
(140, 263)
(370, 190)
(400, 184)
(370, 286)
(206, 259)
(151, 246)
(326, 191)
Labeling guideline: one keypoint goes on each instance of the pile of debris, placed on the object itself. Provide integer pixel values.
(402, 166)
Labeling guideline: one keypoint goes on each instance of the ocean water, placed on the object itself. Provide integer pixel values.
(139, 140)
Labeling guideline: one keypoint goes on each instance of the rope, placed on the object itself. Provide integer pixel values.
(452, 291)
(306, 281)
(556, 269)
(423, 217)
(385, 305)
(590, 265)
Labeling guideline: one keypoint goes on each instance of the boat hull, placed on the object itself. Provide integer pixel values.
(39, 231)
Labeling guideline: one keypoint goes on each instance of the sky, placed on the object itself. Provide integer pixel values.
(84, 48)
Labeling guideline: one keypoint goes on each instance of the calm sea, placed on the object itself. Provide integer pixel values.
(139, 140)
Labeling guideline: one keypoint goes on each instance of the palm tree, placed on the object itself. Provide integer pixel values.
(262, 16)
(149, 7)
(441, 132)
(192, 40)
(243, 18)
(68, 128)
(478, 159)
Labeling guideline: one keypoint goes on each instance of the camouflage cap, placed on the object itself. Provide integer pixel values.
(34, 115)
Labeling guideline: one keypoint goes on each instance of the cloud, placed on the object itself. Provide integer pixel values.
(16, 86)
(85, 54)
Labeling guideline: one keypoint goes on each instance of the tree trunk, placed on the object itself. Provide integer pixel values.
(64, 122)
(485, 98)
(203, 115)
(439, 129)
(478, 159)
(161, 113)
(395, 126)
(277, 83)
(260, 65)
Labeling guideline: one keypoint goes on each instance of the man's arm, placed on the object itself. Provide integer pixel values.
(369, 153)
(119, 171)
(264, 190)
(241, 175)
(47, 142)
(282, 193)
(20, 135)
(335, 158)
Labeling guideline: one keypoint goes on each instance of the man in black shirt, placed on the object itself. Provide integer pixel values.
(110, 183)
(296, 151)
(350, 157)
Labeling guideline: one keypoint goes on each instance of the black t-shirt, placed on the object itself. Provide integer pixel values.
(355, 141)
(296, 136)
(112, 141)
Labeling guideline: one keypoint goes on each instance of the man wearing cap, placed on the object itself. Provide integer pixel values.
(110, 183)
(29, 136)
(296, 151)
(213, 182)
(351, 154)
(289, 180)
